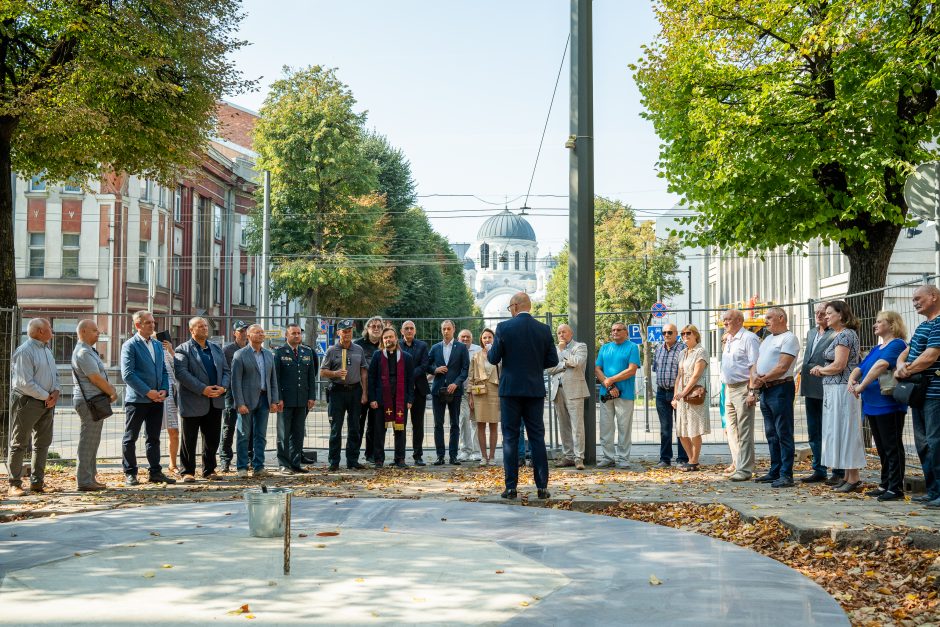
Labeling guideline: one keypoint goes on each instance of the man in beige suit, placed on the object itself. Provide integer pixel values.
(569, 389)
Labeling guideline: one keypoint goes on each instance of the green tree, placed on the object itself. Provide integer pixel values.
(784, 121)
(427, 275)
(132, 85)
(329, 233)
(632, 268)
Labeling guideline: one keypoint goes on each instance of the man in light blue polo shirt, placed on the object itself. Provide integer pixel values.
(616, 366)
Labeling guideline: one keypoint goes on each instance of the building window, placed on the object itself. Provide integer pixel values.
(484, 256)
(217, 222)
(146, 189)
(72, 188)
(37, 254)
(505, 258)
(163, 191)
(527, 261)
(244, 226)
(177, 274)
(63, 340)
(178, 204)
(37, 184)
(70, 246)
(243, 288)
(142, 267)
(517, 260)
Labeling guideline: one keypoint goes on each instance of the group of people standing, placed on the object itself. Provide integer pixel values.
(381, 381)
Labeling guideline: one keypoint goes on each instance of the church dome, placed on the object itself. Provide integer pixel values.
(506, 225)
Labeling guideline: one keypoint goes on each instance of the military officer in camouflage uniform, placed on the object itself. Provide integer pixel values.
(296, 367)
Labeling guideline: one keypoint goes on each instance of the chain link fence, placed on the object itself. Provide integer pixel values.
(116, 328)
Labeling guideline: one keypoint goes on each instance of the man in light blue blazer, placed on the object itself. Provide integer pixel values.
(256, 394)
(523, 348)
(147, 386)
(203, 376)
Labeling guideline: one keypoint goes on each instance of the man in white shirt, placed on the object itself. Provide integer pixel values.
(773, 385)
(738, 357)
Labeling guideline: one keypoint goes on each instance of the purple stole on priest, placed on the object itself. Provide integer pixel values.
(394, 414)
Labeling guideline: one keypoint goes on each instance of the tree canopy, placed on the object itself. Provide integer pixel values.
(783, 121)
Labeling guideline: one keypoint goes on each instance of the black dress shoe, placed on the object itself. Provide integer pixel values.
(816, 477)
(284, 470)
(400, 464)
(161, 478)
(835, 480)
(299, 470)
(370, 460)
(521, 463)
(379, 464)
(439, 462)
(333, 467)
(355, 466)
(768, 478)
(454, 461)
(544, 494)
(420, 462)
(131, 480)
(226, 467)
(508, 494)
(876, 492)
(891, 496)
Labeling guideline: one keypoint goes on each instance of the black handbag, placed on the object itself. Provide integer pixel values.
(912, 391)
(99, 405)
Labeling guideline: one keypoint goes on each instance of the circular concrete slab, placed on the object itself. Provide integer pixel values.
(393, 561)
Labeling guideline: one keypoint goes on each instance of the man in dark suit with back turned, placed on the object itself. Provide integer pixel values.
(523, 349)
(449, 362)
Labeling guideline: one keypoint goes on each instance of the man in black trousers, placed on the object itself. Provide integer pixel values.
(449, 362)
(419, 353)
(229, 415)
(296, 366)
(391, 392)
(523, 349)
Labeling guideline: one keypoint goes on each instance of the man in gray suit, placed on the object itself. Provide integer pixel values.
(255, 392)
(818, 340)
(568, 391)
(203, 376)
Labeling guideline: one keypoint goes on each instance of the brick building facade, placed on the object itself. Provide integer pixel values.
(103, 247)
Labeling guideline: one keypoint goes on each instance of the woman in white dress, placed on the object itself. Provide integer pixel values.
(691, 420)
(842, 444)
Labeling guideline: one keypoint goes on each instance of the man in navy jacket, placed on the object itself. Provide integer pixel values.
(523, 348)
(419, 353)
(449, 362)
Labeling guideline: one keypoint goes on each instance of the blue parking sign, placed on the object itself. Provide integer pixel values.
(633, 330)
(654, 333)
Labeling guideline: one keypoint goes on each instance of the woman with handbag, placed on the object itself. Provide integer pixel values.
(873, 381)
(842, 444)
(690, 398)
(484, 390)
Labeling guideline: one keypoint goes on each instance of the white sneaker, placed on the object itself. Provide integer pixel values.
(241, 474)
(463, 457)
(476, 458)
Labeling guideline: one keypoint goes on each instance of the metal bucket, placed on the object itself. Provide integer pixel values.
(266, 511)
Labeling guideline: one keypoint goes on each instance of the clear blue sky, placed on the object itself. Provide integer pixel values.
(463, 88)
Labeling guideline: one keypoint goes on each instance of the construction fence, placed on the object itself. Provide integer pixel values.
(645, 426)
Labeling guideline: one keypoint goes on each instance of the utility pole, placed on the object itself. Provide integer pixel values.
(581, 206)
(265, 305)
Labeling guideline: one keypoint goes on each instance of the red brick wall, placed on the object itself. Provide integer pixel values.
(235, 125)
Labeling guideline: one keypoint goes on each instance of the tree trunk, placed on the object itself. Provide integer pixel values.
(8, 330)
(869, 270)
(310, 326)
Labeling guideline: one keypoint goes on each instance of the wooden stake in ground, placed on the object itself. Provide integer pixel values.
(287, 533)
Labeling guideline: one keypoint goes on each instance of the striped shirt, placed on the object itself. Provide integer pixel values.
(666, 364)
(927, 335)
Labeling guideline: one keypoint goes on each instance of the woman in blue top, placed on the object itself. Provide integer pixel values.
(884, 415)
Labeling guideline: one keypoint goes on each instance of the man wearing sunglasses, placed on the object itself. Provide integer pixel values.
(666, 366)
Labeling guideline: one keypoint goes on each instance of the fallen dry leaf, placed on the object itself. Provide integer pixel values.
(301, 535)
(500, 572)
(155, 533)
(149, 574)
(359, 580)
(327, 534)
(655, 581)
(167, 566)
(242, 610)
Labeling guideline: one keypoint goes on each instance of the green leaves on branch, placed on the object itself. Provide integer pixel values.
(786, 121)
